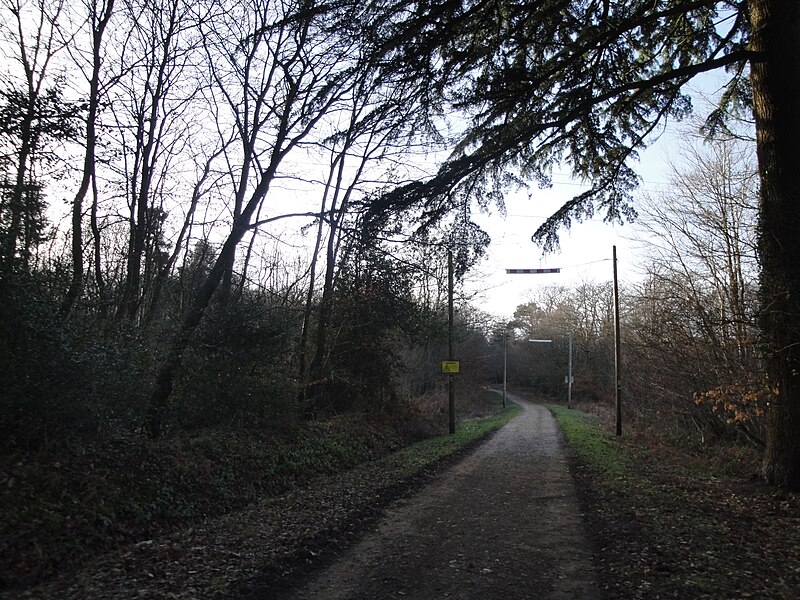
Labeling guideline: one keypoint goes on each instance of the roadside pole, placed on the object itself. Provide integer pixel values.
(451, 392)
(569, 374)
(541, 271)
(505, 362)
(617, 352)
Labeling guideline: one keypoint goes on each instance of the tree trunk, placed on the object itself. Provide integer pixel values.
(130, 295)
(18, 199)
(308, 308)
(159, 399)
(98, 254)
(775, 76)
(76, 282)
(317, 367)
(302, 376)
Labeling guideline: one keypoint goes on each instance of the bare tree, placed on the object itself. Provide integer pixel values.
(703, 240)
(379, 120)
(554, 313)
(206, 181)
(98, 15)
(35, 116)
(153, 106)
(694, 318)
(276, 69)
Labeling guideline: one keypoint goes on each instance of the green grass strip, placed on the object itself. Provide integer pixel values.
(427, 452)
(596, 448)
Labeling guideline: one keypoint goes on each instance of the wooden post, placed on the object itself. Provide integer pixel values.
(617, 354)
(451, 404)
(569, 374)
(505, 362)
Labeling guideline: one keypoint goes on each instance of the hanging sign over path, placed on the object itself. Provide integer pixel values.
(531, 271)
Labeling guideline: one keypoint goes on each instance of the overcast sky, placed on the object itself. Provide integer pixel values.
(586, 248)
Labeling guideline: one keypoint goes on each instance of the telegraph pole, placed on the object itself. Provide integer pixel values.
(569, 374)
(505, 362)
(451, 392)
(617, 353)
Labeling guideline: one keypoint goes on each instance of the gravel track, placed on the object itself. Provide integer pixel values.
(502, 523)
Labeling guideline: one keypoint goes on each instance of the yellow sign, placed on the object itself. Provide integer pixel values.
(451, 367)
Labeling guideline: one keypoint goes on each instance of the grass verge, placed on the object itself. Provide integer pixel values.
(594, 446)
(420, 455)
(666, 524)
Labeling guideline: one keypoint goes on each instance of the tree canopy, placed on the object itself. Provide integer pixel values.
(585, 84)
(581, 84)
(197, 115)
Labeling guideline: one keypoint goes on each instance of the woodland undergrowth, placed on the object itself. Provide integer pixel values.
(66, 506)
(681, 521)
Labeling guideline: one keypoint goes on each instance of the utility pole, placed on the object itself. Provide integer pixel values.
(451, 392)
(617, 353)
(569, 374)
(505, 362)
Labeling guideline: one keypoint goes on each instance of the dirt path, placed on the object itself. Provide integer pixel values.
(503, 523)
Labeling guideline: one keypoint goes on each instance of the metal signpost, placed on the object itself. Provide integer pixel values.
(617, 342)
(505, 331)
